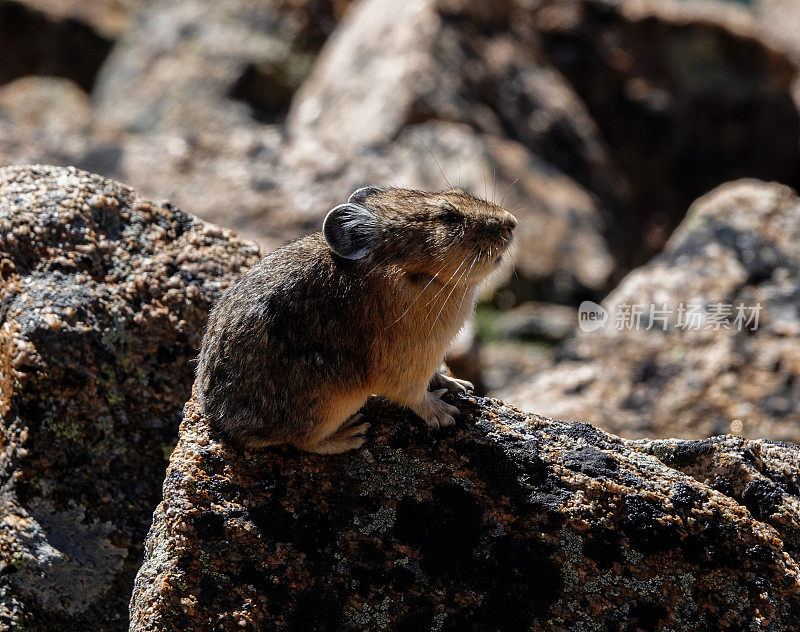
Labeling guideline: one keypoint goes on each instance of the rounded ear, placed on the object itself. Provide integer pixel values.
(360, 195)
(352, 231)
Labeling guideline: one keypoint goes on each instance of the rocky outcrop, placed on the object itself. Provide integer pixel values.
(600, 158)
(688, 95)
(104, 296)
(508, 522)
(701, 374)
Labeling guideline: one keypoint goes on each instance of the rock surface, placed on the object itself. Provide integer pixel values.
(739, 245)
(204, 67)
(508, 522)
(687, 95)
(104, 296)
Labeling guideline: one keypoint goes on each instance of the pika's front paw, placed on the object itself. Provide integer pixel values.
(454, 385)
(435, 412)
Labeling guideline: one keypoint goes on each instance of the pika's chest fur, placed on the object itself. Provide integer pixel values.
(416, 327)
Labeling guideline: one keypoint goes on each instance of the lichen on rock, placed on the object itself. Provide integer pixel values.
(510, 521)
(104, 298)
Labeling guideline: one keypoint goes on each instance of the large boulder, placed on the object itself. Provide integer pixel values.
(509, 521)
(104, 298)
(739, 246)
(471, 62)
(687, 95)
(202, 67)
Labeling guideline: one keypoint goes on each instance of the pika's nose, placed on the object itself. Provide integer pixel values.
(508, 226)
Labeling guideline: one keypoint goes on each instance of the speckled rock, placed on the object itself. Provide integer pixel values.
(508, 522)
(694, 376)
(104, 297)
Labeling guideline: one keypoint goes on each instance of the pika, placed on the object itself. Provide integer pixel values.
(369, 305)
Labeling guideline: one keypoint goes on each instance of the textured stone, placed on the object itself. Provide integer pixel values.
(687, 95)
(104, 298)
(510, 521)
(739, 245)
(469, 62)
(202, 67)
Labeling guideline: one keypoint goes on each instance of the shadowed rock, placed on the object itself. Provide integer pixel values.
(687, 95)
(510, 521)
(104, 297)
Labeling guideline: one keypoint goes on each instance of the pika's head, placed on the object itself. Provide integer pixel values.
(450, 235)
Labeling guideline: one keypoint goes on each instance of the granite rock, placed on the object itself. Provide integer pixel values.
(508, 522)
(104, 297)
(694, 375)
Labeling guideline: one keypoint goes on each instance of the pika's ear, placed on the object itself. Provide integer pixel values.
(352, 231)
(360, 195)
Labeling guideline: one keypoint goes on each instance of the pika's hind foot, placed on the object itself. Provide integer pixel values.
(452, 384)
(435, 412)
(349, 436)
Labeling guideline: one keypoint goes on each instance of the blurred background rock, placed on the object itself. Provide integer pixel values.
(599, 123)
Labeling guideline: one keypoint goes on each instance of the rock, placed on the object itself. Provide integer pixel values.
(104, 298)
(505, 364)
(687, 95)
(759, 475)
(35, 39)
(450, 61)
(203, 68)
(782, 19)
(510, 521)
(537, 321)
(739, 246)
(43, 118)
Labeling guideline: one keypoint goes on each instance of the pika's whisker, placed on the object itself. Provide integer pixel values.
(464, 275)
(507, 191)
(466, 285)
(494, 178)
(446, 283)
(433, 278)
(438, 166)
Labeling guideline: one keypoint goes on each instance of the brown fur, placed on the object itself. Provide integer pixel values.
(295, 347)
